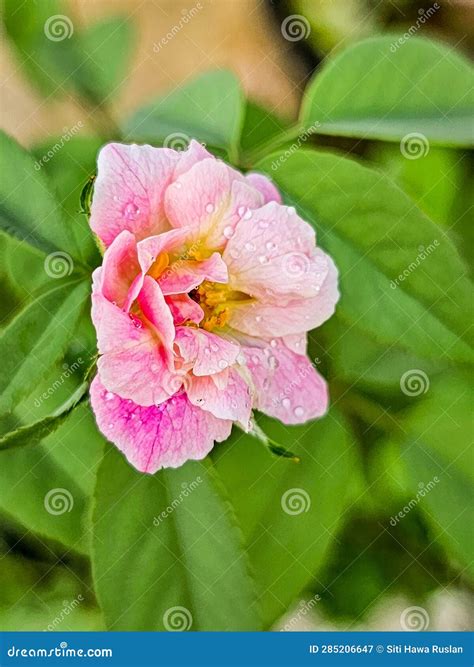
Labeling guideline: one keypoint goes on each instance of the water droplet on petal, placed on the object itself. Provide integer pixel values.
(223, 364)
(178, 185)
(241, 211)
(247, 215)
(258, 318)
(299, 411)
(209, 208)
(273, 362)
(109, 396)
(233, 404)
(270, 245)
(273, 342)
(131, 211)
(234, 253)
(111, 425)
(291, 210)
(249, 246)
(286, 402)
(228, 231)
(263, 224)
(214, 347)
(263, 259)
(207, 350)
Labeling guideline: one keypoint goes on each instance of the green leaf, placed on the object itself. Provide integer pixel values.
(28, 211)
(290, 513)
(377, 90)
(33, 434)
(58, 56)
(171, 541)
(106, 47)
(69, 161)
(43, 497)
(209, 109)
(376, 234)
(36, 338)
(438, 449)
(260, 126)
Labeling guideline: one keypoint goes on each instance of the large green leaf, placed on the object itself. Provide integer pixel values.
(377, 90)
(32, 434)
(209, 109)
(36, 338)
(73, 161)
(375, 234)
(28, 210)
(57, 55)
(290, 512)
(437, 448)
(171, 541)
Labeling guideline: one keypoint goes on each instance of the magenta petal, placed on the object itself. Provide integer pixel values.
(156, 437)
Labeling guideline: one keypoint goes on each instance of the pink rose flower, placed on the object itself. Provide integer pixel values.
(206, 291)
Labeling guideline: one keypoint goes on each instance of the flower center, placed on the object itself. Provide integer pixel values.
(216, 300)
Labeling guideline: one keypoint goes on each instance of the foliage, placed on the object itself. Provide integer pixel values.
(396, 353)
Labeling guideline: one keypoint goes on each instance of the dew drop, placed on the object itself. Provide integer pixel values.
(207, 351)
(249, 246)
(209, 208)
(131, 211)
(223, 364)
(108, 396)
(214, 347)
(286, 402)
(247, 215)
(228, 232)
(258, 318)
(273, 342)
(263, 259)
(263, 224)
(270, 245)
(241, 211)
(111, 425)
(178, 185)
(299, 411)
(273, 362)
(291, 210)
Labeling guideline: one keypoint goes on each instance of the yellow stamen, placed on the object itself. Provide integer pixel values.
(159, 265)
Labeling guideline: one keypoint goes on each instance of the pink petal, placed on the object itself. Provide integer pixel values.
(129, 190)
(156, 437)
(136, 354)
(207, 352)
(152, 247)
(188, 158)
(273, 254)
(266, 319)
(184, 309)
(185, 275)
(120, 267)
(228, 400)
(287, 385)
(264, 185)
(210, 199)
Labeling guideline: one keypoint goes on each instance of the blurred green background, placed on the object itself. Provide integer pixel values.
(352, 564)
